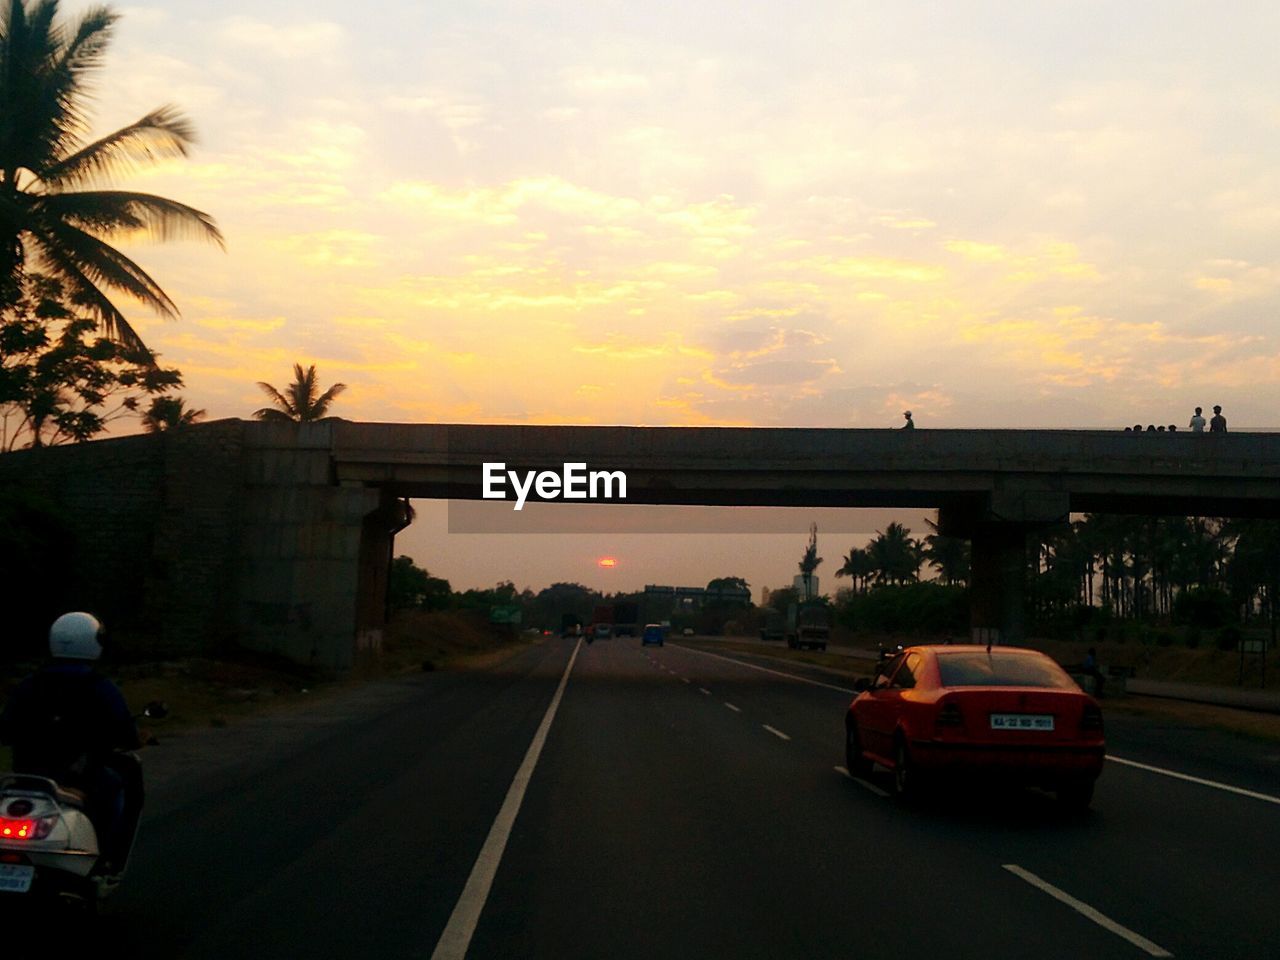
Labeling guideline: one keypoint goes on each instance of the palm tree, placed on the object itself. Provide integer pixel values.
(948, 555)
(52, 207)
(859, 566)
(810, 561)
(299, 401)
(169, 413)
(896, 556)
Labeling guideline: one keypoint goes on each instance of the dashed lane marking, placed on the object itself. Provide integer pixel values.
(775, 731)
(732, 707)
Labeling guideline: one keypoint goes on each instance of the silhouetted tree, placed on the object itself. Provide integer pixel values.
(51, 207)
(169, 413)
(301, 401)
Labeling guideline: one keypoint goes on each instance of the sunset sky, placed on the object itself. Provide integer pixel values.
(1039, 215)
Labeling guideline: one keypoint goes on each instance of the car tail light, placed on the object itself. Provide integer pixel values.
(26, 829)
(1091, 719)
(949, 716)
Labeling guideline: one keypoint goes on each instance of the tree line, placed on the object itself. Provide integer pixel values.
(1199, 572)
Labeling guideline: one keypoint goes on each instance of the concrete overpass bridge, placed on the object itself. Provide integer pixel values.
(279, 536)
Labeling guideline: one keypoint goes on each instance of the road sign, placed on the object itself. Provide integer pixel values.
(504, 613)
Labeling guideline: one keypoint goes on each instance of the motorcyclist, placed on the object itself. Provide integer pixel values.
(67, 722)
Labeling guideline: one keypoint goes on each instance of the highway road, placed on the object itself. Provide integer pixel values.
(608, 800)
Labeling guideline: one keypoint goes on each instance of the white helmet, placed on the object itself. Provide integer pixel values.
(76, 636)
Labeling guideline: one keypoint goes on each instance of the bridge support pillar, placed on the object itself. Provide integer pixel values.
(377, 549)
(997, 583)
(998, 531)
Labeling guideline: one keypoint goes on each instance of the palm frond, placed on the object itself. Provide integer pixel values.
(285, 406)
(121, 211)
(162, 133)
(322, 403)
(102, 264)
(87, 48)
(36, 98)
(82, 281)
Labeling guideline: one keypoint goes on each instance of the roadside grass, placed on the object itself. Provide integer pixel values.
(205, 692)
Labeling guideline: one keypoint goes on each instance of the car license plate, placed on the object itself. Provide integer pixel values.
(16, 877)
(1022, 721)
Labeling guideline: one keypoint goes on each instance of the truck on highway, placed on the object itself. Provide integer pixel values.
(626, 619)
(570, 625)
(808, 625)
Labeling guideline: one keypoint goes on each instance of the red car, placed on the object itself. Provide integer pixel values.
(1005, 712)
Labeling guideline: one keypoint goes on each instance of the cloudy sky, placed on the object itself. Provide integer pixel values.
(995, 213)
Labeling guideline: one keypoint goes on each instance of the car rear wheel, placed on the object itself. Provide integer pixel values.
(906, 779)
(1075, 795)
(854, 761)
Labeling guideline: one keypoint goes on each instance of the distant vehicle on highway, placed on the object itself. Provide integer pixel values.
(1006, 714)
(653, 633)
(687, 632)
(774, 628)
(808, 625)
(625, 617)
(602, 631)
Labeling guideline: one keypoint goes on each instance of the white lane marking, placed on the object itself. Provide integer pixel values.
(732, 707)
(686, 680)
(776, 673)
(862, 783)
(705, 690)
(1084, 909)
(1268, 798)
(775, 731)
(461, 927)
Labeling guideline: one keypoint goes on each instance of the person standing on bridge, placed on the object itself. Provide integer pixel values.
(1197, 422)
(1219, 423)
(910, 424)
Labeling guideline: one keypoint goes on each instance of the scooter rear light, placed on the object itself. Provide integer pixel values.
(17, 829)
(26, 829)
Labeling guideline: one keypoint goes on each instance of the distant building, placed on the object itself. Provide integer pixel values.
(798, 584)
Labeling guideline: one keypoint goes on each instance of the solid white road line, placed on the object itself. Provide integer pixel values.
(775, 731)
(732, 707)
(466, 913)
(776, 673)
(1084, 909)
(1266, 797)
(860, 782)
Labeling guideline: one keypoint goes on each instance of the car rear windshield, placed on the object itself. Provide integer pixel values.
(998, 669)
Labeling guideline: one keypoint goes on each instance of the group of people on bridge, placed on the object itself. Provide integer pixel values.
(1218, 424)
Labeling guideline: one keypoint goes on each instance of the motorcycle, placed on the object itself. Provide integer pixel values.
(49, 846)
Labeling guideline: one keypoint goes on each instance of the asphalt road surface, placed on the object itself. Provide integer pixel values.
(665, 802)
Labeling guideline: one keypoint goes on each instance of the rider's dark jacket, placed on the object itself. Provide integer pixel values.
(64, 720)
